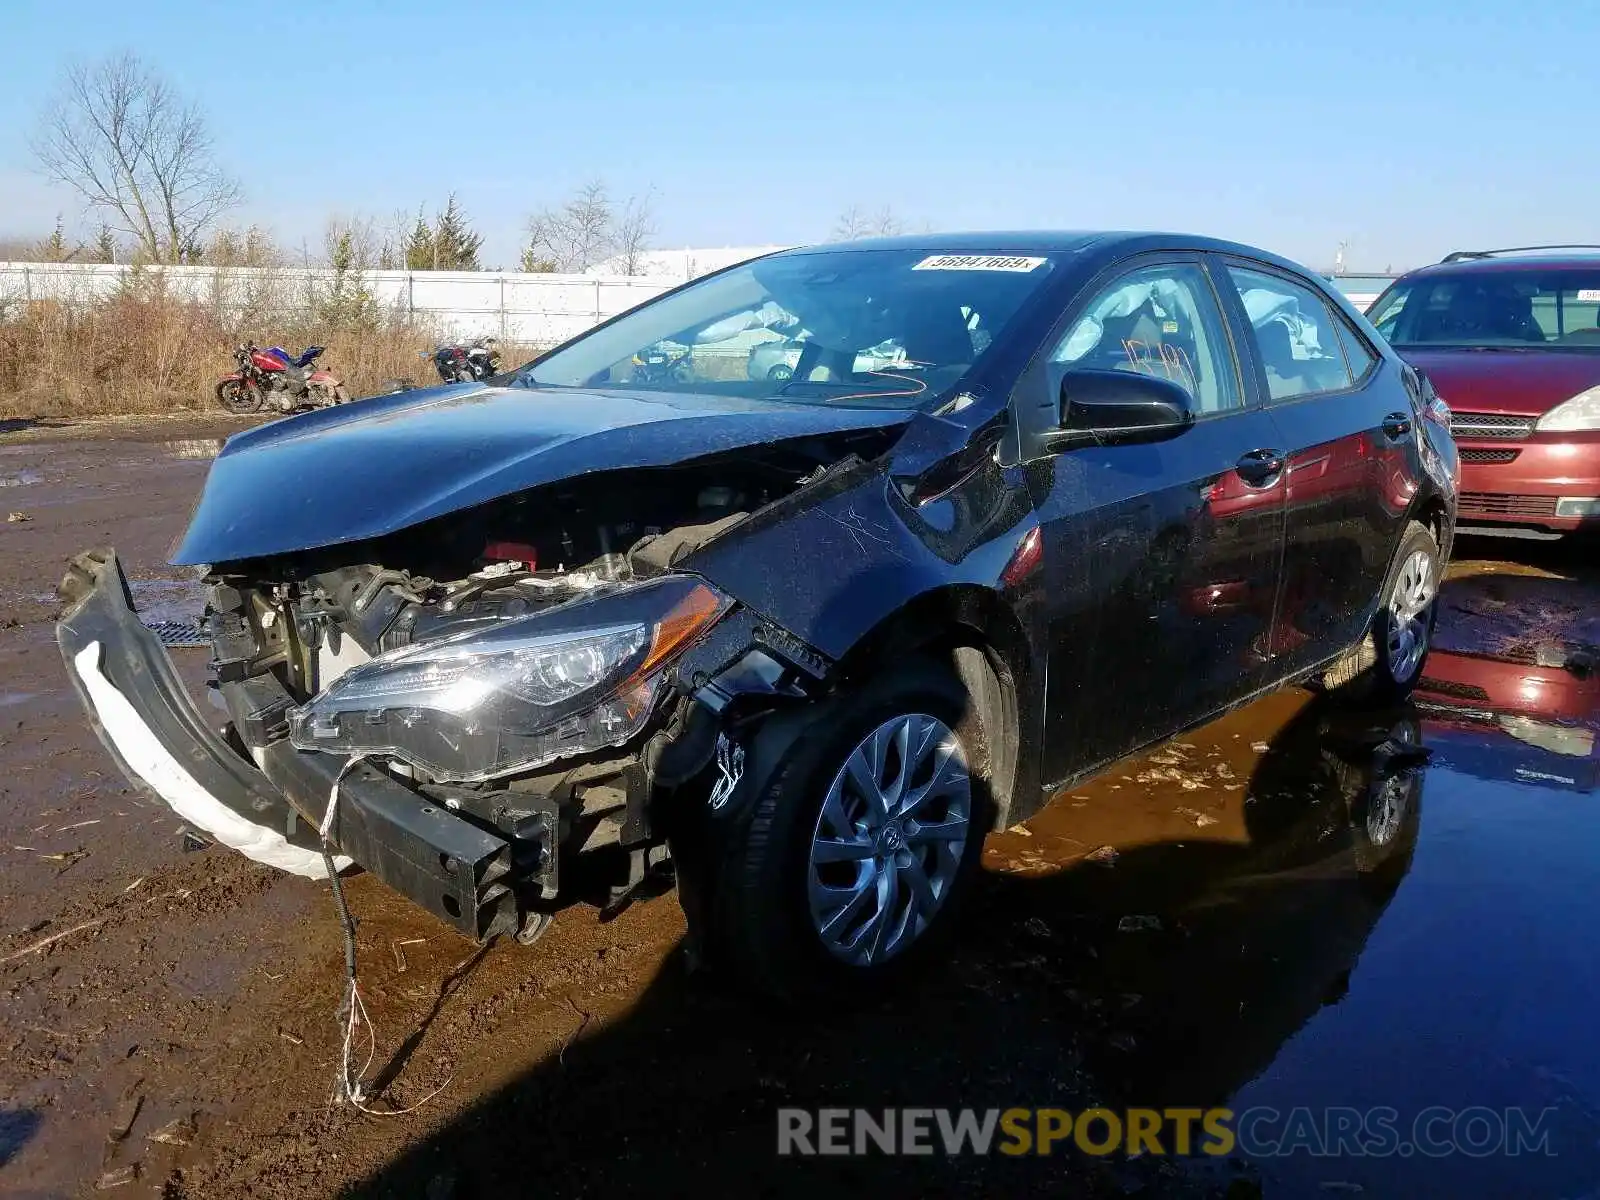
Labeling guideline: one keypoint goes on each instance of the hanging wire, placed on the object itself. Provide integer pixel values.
(352, 1013)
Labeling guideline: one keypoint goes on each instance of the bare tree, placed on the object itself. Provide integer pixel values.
(393, 238)
(855, 223)
(232, 248)
(589, 229)
(573, 237)
(635, 226)
(356, 243)
(139, 154)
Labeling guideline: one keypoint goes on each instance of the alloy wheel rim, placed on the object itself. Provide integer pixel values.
(1387, 809)
(1410, 611)
(889, 840)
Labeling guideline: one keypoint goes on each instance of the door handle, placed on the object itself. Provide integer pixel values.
(1260, 468)
(1396, 425)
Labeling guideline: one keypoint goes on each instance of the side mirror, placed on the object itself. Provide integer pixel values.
(1109, 407)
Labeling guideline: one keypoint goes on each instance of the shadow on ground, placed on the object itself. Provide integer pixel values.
(17, 1126)
(1054, 997)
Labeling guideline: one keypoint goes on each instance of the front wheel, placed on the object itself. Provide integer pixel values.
(239, 397)
(860, 843)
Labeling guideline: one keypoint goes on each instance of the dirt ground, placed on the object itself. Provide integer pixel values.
(167, 1014)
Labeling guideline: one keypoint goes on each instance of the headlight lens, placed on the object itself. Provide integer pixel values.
(519, 694)
(458, 675)
(1581, 414)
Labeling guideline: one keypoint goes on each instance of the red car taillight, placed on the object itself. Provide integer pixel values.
(1024, 559)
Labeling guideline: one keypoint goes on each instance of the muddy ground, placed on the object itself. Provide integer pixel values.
(1211, 923)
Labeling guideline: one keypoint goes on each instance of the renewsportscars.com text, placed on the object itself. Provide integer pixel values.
(1260, 1132)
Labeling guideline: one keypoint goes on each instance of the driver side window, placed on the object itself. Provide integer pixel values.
(1162, 321)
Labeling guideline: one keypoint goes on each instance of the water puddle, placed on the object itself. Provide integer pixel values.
(202, 448)
(168, 600)
(1304, 908)
(26, 478)
(9, 699)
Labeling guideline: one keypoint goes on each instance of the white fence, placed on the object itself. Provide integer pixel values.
(528, 308)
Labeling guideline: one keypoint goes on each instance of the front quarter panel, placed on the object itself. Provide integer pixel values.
(1441, 463)
(835, 559)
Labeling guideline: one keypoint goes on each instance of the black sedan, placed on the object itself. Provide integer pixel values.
(806, 638)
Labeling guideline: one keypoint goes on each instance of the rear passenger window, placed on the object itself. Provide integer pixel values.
(1297, 339)
(1356, 354)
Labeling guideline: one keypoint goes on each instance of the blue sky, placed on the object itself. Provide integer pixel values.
(1407, 128)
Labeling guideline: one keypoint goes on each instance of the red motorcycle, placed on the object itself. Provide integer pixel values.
(273, 378)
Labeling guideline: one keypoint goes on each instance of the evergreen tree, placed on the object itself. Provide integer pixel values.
(348, 304)
(448, 243)
(535, 263)
(54, 248)
(455, 244)
(419, 253)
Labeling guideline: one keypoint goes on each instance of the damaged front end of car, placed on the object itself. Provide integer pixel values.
(505, 733)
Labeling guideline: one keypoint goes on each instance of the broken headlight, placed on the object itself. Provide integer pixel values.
(518, 694)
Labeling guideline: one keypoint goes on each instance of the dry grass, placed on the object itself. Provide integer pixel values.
(143, 351)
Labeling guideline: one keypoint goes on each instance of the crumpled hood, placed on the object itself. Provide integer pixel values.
(369, 468)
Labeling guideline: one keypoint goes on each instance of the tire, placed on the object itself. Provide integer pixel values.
(782, 373)
(239, 397)
(1376, 672)
(776, 895)
(1389, 808)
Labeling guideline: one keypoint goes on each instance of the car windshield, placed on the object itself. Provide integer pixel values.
(1533, 308)
(873, 328)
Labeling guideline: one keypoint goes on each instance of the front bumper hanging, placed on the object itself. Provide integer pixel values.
(147, 721)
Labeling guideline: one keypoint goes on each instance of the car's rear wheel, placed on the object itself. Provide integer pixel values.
(1387, 665)
(861, 842)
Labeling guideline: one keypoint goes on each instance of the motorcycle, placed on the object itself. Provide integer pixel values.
(277, 379)
(466, 363)
(663, 363)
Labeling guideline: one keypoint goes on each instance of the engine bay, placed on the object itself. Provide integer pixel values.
(287, 631)
(315, 615)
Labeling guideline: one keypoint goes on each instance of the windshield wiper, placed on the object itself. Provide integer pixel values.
(1468, 347)
(836, 391)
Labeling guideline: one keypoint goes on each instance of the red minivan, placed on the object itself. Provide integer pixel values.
(1511, 341)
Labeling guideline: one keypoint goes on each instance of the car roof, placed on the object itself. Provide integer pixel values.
(1502, 263)
(1046, 241)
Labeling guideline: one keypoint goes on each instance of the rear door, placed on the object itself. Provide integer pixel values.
(1349, 428)
(1160, 559)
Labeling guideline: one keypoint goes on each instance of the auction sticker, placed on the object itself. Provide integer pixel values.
(1588, 295)
(979, 262)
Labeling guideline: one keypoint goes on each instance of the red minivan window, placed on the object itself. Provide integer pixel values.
(1535, 307)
